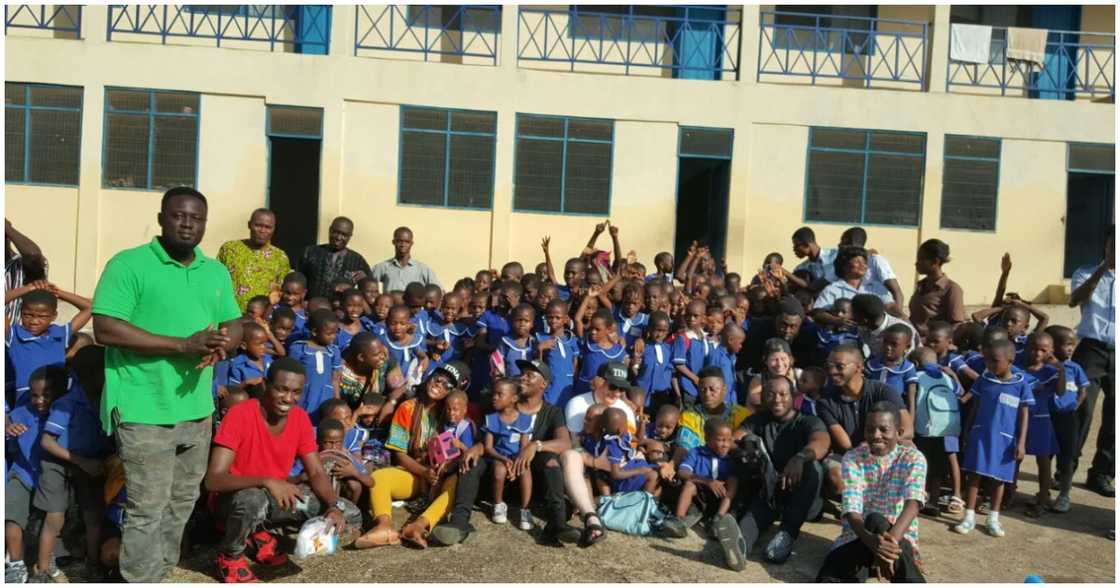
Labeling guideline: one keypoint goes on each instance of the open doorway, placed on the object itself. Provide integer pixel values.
(1090, 199)
(294, 143)
(703, 184)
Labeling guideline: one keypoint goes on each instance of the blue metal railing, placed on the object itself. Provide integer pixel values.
(865, 53)
(296, 28)
(689, 46)
(1076, 63)
(463, 30)
(65, 19)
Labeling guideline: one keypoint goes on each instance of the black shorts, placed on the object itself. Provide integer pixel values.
(17, 502)
(58, 481)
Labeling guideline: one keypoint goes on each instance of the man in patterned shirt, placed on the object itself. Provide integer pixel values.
(884, 486)
(256, 266)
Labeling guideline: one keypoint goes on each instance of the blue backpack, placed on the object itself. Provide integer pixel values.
(937, 410)
(633, 513)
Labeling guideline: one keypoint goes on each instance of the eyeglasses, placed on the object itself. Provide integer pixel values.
(442, 382)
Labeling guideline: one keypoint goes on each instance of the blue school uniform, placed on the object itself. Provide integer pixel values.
(656, 372)
(221, 376)
(705, 464)
(24, 453)
(563, 291)
(299, 326)
(421, 320)
(620, 450)
(896, 377)
(343, 339)
(355, 438)
(464, 432)
(1020, 346)
(77, 424)
(1075, 381)
(828, 339)
(405, 354)
(720, 357)
(689, 350)
(589, 443)
(320, 365)
(990, 451)
(508, 436)
(377, 328)
(496, 325)
(631, 329)
(297, 467)
(594, 356)
(242, 369)
(976, 362)
(1041, 438)
(561, 359)
(512, 352)
(26, 353)
(452, 334)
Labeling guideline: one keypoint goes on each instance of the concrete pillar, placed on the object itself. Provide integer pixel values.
(502, 206)
(87, 257)
(937, 49)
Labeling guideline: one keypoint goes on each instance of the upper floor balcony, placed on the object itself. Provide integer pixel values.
(42, 20)
(263, 27)
(422, 32)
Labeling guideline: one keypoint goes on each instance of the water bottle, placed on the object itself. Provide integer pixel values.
(1034, 579)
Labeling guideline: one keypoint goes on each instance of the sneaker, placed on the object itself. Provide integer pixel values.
(15, 572)
(726, 530)
(780, 547)
(53, 571)
(234, 570)
(525, 520)
(693, 516)
(40, 578)
(964, 527)
(1103, 486)
(674, 527)
(499, 514)
(267, 549)
(448, 534)
(1061, 505)
(994, 528)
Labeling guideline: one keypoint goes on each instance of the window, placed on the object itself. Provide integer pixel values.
(970, 183)
(857, 176)
(43, 133)
(1092, 158)
(563, 164)
(705, 142)
(151, 139)
(859, 18)
(447, 157)
(294, 121)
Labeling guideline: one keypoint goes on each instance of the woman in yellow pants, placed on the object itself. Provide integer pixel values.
(414, 423)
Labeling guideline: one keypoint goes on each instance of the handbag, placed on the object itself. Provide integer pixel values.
(633, 513)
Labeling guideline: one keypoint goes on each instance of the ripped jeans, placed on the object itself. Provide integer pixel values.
(245, 511)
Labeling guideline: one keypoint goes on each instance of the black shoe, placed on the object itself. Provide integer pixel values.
(557, 535)
(449, 534)
(674, 527)
(1103, 486)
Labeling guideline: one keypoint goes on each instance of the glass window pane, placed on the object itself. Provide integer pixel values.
(536, 184)
(129, 100)
(55, 146)
(126, 151)
(957, 146)
(715, 143)
(898, 142)
(540, 126)
(596, 130)
(1092, 157)
(894, 190)
(471, 179)
(176, 147)
(587, 180)
(422, 167)
(13, 144)
(968, 196)
(295, 121)
(838, 139)
(173, 102)
(15, 93)
(835, 186)
(474, 121)
(56, 96)
(422, 118)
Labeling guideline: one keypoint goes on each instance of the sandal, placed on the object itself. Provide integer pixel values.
(415, 535)
(378, 538)
(592, 532)
(956, 505)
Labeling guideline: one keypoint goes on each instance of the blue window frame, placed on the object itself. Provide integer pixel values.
(970, 183)
(447, 157)
(563, 165)
(864, 176)
(42, 134)
(151, 139)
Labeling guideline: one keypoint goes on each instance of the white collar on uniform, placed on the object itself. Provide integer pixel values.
(1015, 378)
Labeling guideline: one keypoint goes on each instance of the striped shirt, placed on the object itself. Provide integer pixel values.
(882, 485)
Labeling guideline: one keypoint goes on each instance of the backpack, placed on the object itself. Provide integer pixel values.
(937, 411)
(633, 513)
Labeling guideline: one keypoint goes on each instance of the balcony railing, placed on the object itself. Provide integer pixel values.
(60, 19)
(695, 46)
(461, 31)
(1077, 63)
(868, 50)
(291, 28)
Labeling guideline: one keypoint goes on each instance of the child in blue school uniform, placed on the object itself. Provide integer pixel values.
(653, 363)
(280, 326)
(492, 325)
(352, 307)
(292, 293)
(405, 345)
(36, 341)
(416, 298)
(706, 473)
(507, 431)
(1063, 411)
(247, 371)
(627, 472)
(559, 349)
(75, 448)
(1048, 380)
(829, 337)
(445, 333)
(690, 348)
(724, 355)
(517, 344)
(997, 428)
(598, 347)
(23, 460)
(374, 322)
(321, 359)
(892, 367)
(545, 295)
(628, 315)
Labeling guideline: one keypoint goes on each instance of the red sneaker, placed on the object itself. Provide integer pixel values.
(267, 549)
(234, 570)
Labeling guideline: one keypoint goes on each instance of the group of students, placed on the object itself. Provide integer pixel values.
(655, 374)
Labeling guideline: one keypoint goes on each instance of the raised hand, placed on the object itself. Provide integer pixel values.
(1005, 263)
(544, 243)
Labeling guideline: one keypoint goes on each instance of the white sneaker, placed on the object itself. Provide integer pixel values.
(499, 514)
(964, 527)
(994, 528)
(525, 520)
(15, 572)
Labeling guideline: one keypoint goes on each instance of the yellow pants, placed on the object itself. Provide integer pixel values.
(397, 483)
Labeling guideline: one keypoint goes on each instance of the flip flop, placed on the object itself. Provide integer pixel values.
(956, 505)
(378, 538)
(592, 533)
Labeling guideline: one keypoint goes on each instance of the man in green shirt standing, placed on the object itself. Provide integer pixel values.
(165, 313)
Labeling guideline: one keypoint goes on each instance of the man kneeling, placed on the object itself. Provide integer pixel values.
(253, 453)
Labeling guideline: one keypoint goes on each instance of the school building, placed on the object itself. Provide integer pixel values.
(487, 127)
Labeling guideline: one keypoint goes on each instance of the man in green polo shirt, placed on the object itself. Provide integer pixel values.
(165, 313)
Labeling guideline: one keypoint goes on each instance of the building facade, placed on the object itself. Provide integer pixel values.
(485, 128)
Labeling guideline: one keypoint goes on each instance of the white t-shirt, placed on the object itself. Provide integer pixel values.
(577, 409)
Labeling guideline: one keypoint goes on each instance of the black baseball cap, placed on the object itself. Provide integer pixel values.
(457, 371)
(535, 365)
(615, 374)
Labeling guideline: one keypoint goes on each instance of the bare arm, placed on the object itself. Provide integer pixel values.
(818, 444)
(982, 315)
(895, 290)
(618, 258)
(599, 228)
(1085, 290)
(592, 292)
(1001, 286)
(1041, 318)
(22, 243)
(682, 269)
(81, 303)
(548, 260)
(840, 438)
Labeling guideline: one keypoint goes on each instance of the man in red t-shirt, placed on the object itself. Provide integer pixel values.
(254, 450)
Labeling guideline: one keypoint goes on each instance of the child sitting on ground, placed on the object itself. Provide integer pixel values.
(706, 473)
(36, 341)
(627, 473)
(507, 432)
(347, 473)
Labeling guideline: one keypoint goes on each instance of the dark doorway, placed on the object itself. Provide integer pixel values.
(1090, 201)
(702, 192)
(293, 193)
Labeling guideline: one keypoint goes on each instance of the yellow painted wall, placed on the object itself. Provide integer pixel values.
(361, 97)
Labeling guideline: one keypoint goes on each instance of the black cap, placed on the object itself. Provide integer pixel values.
(535, 365)
(457, 371)
(615, 374)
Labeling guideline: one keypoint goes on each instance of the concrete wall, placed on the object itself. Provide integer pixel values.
(361, 97)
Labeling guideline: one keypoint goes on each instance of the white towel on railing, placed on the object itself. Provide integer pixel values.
(970, 43)
(1027, 45)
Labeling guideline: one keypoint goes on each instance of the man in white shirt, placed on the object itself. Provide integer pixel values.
(608, 388)
(819, 263)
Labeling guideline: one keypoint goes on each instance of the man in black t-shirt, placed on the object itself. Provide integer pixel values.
(845, 403)
(790, 325)
(795, 443)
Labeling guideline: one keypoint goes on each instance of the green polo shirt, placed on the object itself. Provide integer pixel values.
(148, 289)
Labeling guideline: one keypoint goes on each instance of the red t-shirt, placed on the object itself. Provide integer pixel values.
(257, 452)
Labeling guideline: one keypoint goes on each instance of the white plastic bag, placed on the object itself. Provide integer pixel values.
(316, 537)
